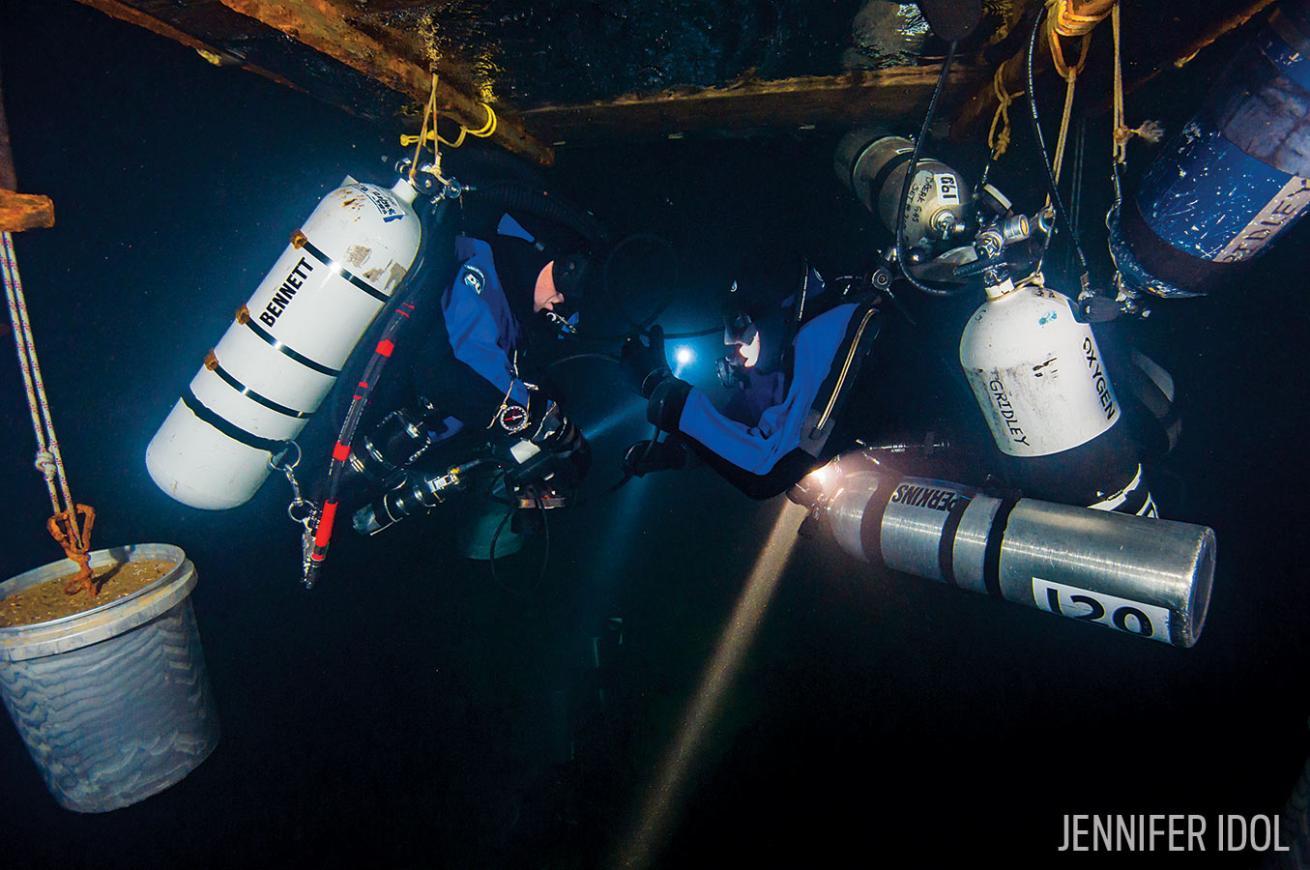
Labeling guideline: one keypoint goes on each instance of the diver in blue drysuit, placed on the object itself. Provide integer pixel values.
(472, 356)
(509, 297)
(792, 368)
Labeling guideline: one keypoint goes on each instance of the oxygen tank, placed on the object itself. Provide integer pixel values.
(281, 356)
(1147, 577)
(873, 167)
(1041, 382)
(1234, 180)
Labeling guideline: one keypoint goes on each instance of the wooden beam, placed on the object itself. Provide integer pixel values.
(1166, 51)
(369, 7)
(18, 211)
(804, 102)
(123, 12)
(25, 211)
(8, 177)
(321, 25)
(1085, 14)
(1180, 57)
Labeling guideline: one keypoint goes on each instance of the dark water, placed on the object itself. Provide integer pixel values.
(408, 712)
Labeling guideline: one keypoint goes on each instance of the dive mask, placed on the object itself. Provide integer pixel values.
(569, 275)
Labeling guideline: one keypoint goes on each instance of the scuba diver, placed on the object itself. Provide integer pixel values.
(472, 414)
(793, 365)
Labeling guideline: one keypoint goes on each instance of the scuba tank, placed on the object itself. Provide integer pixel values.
(281, 356)
(1234, 180)
(873, 167)
(1147, 577)
(1042, 385)
(1035, 369)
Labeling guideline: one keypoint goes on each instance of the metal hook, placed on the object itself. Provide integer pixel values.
(275, 462)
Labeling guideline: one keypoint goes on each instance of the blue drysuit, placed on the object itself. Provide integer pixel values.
(757, 445)
(466, 364)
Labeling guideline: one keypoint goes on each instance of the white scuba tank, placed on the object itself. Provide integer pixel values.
(281, 356)
(1043, 388)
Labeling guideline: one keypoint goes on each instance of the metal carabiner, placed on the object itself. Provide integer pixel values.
(300, 511)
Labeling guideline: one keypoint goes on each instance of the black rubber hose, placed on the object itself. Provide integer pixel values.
(396, 319)
(1060, 213)
(909, 179)
(515, 196)
(607, 280)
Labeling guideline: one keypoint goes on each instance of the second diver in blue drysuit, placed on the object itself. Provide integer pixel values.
(792, 368)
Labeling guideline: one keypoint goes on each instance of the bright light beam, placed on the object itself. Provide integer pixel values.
(683, 356)
(612, 421)
(665, 796)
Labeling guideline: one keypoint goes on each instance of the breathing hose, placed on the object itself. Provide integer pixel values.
(528, 199)
(1062, 215)
(402, 309)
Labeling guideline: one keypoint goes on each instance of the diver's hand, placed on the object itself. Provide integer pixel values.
(645, 457)
(644, 364)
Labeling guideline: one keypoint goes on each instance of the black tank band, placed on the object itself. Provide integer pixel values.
(268, 338)
(229, 379)
(350, 276)
(992, 553)
(1167, 263)
(227, 427)
(946, 544)
(871, 521)
(875, 186)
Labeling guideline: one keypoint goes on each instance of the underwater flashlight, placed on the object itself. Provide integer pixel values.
(683, 356)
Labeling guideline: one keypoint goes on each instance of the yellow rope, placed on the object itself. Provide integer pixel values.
(1063, 139)
(998, 135)
(1058, 60)
(488, 129)
(1069, 21)
(1151, 131)
(428, 132)
(1070, 76)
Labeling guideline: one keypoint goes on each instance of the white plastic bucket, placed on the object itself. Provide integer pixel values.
(113, 703)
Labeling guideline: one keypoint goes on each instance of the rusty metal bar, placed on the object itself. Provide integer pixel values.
(322, 26)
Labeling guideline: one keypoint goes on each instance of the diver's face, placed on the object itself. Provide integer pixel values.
(544, 295)
(748, 346)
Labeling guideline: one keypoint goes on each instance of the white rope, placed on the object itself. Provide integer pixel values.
(49, 460)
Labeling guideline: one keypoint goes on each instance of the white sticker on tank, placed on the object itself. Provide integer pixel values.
(1135, 617)
(384, 203)
(948, 188)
